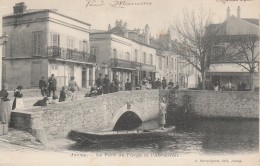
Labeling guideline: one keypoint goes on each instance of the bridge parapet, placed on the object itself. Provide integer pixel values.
(87, 114)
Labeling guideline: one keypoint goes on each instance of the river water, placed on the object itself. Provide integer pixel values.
(204, 136)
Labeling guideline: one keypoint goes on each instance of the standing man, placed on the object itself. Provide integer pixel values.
(164, 83)
(116, 82)
(43, 86)
(52, 85)
(128, 85)
(99, 83)
(158, 84)
(106, 84)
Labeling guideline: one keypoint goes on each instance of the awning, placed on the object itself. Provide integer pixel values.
(227, 68)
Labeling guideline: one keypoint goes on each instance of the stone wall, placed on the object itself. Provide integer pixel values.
(86, 114)
(221, 104)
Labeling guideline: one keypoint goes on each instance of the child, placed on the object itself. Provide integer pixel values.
(62, 95)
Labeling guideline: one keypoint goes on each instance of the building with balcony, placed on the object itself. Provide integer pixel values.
(44, 42)
(125, 53)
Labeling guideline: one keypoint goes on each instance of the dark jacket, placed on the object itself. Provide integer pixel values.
(52, 83)
(128, 86)
(42, 84)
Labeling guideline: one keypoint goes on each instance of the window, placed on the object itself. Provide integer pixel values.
(37, 37)
(114, 53)
(151, 59)
(55, 39)
(3, 53)
(93, 50)
(70, 43)
(167, 61)
(136, 55)
(160, 62)
(54, 67)
(144, 57)
(172, 63)
(71, 71)
(83, 46)
(217, 52)
(175, 64)
(128, 56)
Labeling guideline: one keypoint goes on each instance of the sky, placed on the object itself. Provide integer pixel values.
(158, 14)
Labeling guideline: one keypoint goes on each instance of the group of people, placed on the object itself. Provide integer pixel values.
(5, 103)
(104, 86)
(241, 86)
(51, 86)
(148, 83)
(48, 87)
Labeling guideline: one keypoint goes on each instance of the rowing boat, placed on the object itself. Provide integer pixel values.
(115, 136)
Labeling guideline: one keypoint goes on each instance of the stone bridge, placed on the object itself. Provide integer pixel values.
(121, 110)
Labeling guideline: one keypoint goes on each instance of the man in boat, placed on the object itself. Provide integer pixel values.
(162, 113)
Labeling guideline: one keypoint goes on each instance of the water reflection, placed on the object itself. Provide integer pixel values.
(198, 137)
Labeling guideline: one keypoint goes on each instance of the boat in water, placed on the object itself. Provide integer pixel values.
(122, 136)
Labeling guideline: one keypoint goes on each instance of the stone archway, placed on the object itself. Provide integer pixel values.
(128, 110)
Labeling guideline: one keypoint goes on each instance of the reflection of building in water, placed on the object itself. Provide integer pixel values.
(44, 42)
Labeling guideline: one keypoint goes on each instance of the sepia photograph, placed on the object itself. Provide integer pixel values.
(129, 82)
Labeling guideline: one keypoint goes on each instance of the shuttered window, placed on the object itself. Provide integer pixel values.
(37, 41)
(55, 38)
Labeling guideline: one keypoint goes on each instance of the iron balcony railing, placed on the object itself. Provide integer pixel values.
(69, 54)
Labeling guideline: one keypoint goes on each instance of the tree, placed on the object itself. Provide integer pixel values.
(244, 51)
(195, 39)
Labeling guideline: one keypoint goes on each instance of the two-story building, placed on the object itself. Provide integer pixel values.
(125, 53)
(45, 42)
(227, 64)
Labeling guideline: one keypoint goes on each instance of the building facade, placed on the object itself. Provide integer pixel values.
(226, 68)
(45, 42)
(172, 66)
(121, 52)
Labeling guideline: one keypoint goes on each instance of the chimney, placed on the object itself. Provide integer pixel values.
(121, 23)
(147, 34)
(238, 12)
(125, 25)
(228, 13)
(116, 24)
(109, 27)
(19, 8)
(126, 33)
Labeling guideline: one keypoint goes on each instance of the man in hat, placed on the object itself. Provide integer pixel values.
(99, 84)
(106, 83)
(52, 83)
(43, 86)
(116, 83)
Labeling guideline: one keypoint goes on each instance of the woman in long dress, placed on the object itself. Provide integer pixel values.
(5, 105)
(72, 87)
(162, 114)
(18, 101)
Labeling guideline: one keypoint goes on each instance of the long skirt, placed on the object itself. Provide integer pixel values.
(5, 111)
(19, 104)
(162, 120)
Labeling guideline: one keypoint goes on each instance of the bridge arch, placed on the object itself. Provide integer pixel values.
(127, 114)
